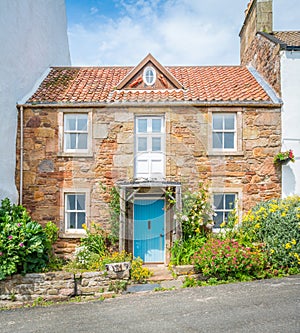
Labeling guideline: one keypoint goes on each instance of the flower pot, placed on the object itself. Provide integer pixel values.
(285, 162)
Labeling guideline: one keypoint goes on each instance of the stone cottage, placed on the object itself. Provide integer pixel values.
(276, 56)
(147, 130)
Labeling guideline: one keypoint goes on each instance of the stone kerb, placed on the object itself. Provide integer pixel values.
(61, 286)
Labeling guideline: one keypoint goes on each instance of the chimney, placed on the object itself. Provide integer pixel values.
(258, 17)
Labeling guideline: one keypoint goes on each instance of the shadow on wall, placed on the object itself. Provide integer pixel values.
(288, 181)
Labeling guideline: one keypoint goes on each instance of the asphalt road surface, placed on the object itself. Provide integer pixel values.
(261, 306)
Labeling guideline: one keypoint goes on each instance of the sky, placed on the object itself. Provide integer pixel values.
(175, 32)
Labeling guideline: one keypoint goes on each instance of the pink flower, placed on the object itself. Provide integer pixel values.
(21, 244)
(19, 224)
(1, 254)
(10, 237)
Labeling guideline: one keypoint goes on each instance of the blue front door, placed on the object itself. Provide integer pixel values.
(149, 230)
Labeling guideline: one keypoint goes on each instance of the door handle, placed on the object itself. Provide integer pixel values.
(149, 225)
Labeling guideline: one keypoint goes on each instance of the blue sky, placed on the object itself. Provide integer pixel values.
(176, 32)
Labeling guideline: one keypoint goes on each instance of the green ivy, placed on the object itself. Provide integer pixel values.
(114, 209)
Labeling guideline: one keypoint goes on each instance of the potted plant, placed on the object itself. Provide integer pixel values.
(284, 157)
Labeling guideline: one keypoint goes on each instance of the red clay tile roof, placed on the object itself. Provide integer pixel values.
(98, 85)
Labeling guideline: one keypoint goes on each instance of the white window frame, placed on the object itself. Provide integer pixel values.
(149, 135)
(238, 192)
(75, 132)
(146, 78)
(72, 232)
(238, 140)
(224, 211)
(223, 131)
(63, 151)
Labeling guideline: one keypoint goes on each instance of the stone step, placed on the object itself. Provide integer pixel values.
(161, 272)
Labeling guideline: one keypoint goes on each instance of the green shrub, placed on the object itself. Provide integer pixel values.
(97, 240)
(196, 220)
(182, 251)
(24, 246)
(227, 258)
(275, 224)
(189, 282)
(197, 214)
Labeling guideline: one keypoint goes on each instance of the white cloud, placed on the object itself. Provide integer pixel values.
(94, 10)
(189, 32)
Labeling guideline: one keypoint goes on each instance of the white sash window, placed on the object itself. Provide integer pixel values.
(149, 147)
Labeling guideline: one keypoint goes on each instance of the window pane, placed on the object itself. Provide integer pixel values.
(217, 121)
(67, 141)
(82, 122)
(156, 144)
(82, 141)
(80, 202)
(71, 224)
(229, 122)
(142, 144)
(228, 140)
(80, 220)
(142, 125)
(218, 219)
(70, 141)
(217, 140)
(70, 122)
(218, 201)
(226, 216)
(149, 76)
(156, 125)
(229, 201)
(70, 202)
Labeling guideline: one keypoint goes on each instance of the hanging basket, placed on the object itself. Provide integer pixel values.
(284, 157)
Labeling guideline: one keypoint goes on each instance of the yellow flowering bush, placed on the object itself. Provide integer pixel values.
(139, 273)
(275, 224)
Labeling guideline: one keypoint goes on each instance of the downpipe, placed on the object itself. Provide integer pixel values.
(21, 154)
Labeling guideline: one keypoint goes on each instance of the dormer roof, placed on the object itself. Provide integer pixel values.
(134, 79)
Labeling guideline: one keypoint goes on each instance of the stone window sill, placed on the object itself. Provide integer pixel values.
(75, 155)
(78, 234)
(225, 153)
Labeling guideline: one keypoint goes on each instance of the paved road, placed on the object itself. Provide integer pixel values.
(261, 306)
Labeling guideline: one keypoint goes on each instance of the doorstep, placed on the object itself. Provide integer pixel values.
(160, 272)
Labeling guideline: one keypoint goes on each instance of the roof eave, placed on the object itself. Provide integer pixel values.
(267, 104)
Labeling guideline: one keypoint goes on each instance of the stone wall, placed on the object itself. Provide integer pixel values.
(264, 56)
(60, 286)
(189, 159)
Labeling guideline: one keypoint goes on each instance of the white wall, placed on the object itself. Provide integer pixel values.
(290, 85)
(33, 36)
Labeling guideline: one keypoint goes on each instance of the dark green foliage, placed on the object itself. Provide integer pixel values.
(24, 246)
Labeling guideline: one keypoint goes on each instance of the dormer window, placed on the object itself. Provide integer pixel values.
(149, 76)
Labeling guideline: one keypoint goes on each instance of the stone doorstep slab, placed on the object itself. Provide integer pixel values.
(138, 288)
